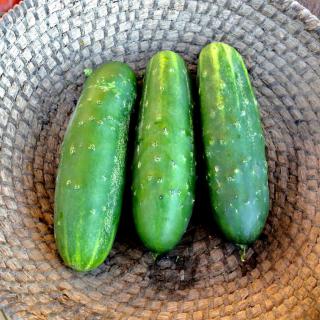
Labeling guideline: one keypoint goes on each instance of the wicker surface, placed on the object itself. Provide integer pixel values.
(312, 5)
(44, 47)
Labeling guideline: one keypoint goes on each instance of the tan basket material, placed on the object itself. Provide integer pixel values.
(44, 47)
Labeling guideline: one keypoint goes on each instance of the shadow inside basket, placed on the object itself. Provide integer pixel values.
(201, 259)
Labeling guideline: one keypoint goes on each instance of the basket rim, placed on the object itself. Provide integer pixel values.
(301, 13)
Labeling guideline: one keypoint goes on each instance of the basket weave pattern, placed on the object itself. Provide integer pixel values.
(44, 47)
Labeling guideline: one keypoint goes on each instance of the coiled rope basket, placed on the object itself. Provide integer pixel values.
(44, 48)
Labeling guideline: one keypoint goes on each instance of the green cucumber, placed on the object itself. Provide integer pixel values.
(234, 144)
(90, 177)
(164, 165)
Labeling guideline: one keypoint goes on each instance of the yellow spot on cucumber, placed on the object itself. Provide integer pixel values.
(92, 147)
(212, 114)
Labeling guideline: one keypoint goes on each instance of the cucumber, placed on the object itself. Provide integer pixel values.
(89, 183)
(234, 144)
(164, 165)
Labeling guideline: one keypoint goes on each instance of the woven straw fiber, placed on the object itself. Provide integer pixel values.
(44, 47)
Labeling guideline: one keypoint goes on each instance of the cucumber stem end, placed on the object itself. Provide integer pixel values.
(87, 72)
(155, 255)
(243, 251)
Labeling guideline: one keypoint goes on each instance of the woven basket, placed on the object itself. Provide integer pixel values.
(44, 47)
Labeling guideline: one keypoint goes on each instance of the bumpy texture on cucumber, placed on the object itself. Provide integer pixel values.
(163, 168)
(234, 144)
(90, 178)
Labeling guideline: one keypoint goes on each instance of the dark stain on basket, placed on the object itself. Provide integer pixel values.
(202, 255)
(177, 269)
(173, 273)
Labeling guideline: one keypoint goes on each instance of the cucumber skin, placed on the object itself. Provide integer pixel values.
(234, 144)
(164, 164)
(90, 177)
